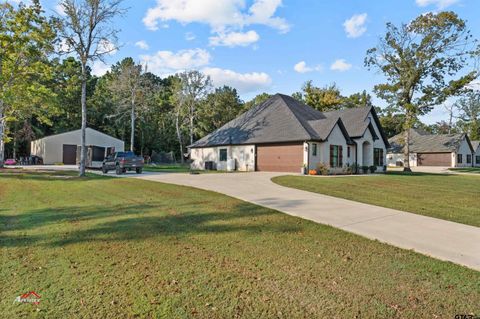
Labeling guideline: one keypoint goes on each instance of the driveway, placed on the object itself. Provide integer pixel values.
(441, 239)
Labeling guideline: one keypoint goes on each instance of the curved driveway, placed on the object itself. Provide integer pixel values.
(441, 239)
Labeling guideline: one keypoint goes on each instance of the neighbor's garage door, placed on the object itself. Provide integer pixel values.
(69, 154)
(280, 157)
(434, 159)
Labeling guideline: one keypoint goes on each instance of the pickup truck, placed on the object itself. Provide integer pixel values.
(122, 162)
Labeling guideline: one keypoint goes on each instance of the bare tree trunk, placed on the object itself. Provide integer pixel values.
(191, 124)
(179, 135)
(14, 147)
(132, 126)
(2, 143)
(450, 120)
(406, 149)
(83, 148)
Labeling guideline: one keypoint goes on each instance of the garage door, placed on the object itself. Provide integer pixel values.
(434, 159)
(280, 157)
(69, 154)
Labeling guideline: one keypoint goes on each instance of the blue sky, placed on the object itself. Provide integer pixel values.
(269, 45)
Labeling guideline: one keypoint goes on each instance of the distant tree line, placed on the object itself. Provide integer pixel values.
(43, 92)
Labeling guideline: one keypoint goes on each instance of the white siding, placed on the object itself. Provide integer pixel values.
(50, 148)
(366, 144)
(244, 156)
(465, 150)
(477, 153)
(323, 151)
(393, 158)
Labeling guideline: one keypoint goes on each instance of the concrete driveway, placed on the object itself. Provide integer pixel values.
(441, 239)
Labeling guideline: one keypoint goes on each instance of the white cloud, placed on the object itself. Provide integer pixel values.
(474, 85)
(355, 26)
(106, 47)
(301, 67)
(190, 36)
(441, 4)
(224, 16)
(340, 65)
(59, 9)
(142, 44)
(99, 68)
(243, 82)
(233, 39)
(168, 62)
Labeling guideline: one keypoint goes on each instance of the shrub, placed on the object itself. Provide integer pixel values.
(322, 169)
(365, 169)
(355, 168)
(348, 170)
(372, 169)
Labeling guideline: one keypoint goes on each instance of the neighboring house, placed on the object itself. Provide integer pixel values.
(285, 135)
(450, 150)
(65, 148)
(476, 153)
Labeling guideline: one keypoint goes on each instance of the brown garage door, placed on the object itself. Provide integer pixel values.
(280, 157)
(69, 154)
(434, 159)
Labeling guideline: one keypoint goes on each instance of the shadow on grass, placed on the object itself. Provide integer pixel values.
(129, 224)
(46, 175)
(410, 174)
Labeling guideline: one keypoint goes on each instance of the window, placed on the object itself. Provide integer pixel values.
(469, 159)
(477, 159)
(223, 155)
(378, 156)
(314, 149)
(459, 159)
(98, 154)
(336, 156)
(348, 151)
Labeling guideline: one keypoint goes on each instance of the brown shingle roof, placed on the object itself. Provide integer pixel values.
(422, 142)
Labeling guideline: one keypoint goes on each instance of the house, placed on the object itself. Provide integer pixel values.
(450, 150)
(476, 153)
(285, 135)
(65, 148)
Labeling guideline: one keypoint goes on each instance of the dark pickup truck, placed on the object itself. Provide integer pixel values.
(122, 162)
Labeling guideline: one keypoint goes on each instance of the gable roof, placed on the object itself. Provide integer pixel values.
(79, 131)
(357, 121)
(422, 142)
(279, 119)
(475, 145)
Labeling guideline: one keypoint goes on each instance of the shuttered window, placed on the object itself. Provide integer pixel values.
(459, 159)
(378, 156)
(477, 159)
(314, 149)
(469, 159)
(336, 156)
(223, 155)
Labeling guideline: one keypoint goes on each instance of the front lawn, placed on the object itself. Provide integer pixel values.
(167, 168)
(450, 197)
(475, 170)
(101, 247)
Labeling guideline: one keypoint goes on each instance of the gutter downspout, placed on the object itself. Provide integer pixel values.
(356, 156)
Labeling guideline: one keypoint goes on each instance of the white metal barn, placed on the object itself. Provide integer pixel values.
(65, 148)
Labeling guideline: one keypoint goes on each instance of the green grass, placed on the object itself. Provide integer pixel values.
(101, 247)
(450, 197)
(175, 168)
(167, 168)
(466, 169)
